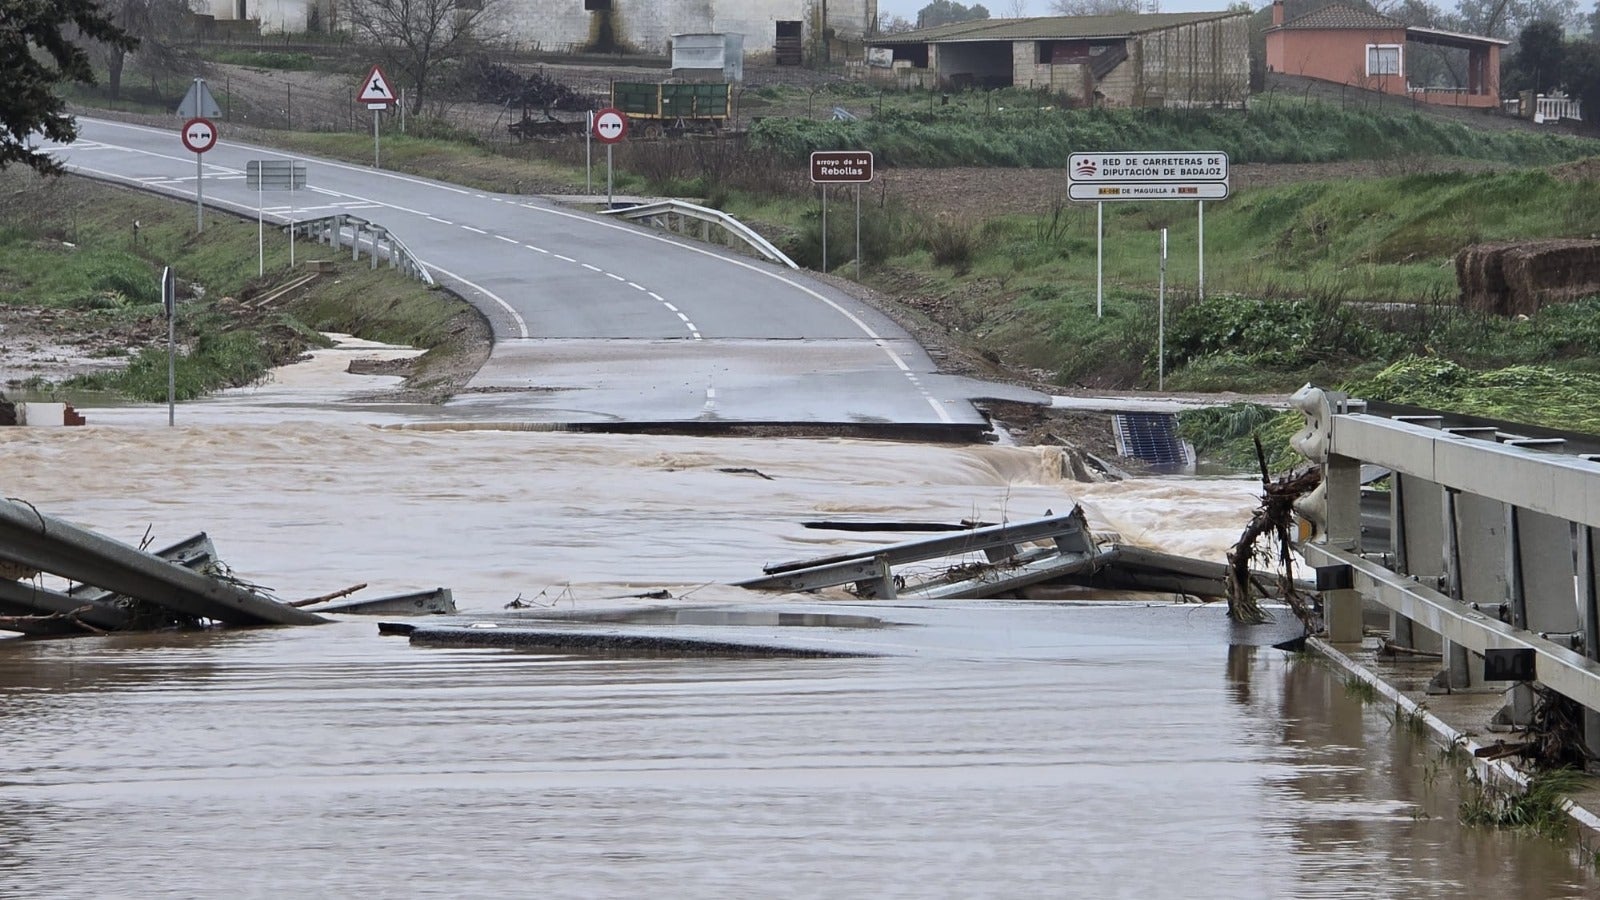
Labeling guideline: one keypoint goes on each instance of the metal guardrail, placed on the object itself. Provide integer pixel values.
(675, 215)
(872, 570)
(339, 230)
(1494, 546)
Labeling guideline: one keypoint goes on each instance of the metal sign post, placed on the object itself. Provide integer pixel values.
(378, 96)
(1200, 211)
(610, 126)
(1099, 260)
(1161, 319)
(169, 300)
(829, 167)
(199, 135)
(858, 232)
(588, 156)
(274, 175)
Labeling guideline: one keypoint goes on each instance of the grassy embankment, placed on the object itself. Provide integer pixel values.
(1282, 262)
(1347, 283)
(71, 246)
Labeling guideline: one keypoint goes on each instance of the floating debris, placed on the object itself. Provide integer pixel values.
(118, 587)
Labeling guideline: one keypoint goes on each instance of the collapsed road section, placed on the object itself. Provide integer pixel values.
(118, 586)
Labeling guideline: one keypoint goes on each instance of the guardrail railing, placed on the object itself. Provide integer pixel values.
(1493, 547)
(342, 230)
(675, 216)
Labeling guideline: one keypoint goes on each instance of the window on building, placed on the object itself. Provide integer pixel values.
(1383, 59)
(597, 5)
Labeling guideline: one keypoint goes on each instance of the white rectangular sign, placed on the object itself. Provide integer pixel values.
(1205, 190)
(1101, 168)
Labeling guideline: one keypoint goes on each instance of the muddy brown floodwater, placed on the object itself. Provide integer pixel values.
(1035, 750)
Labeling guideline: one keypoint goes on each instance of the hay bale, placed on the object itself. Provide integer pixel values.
(1520, 278)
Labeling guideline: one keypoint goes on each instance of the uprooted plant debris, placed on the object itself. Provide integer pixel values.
(1273, 519)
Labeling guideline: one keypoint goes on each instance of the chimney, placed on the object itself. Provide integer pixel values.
(1277, 13)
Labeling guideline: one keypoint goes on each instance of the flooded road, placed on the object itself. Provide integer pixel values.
(1064, 750)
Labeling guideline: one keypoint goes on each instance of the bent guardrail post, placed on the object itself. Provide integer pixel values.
(39, 541)
(384, 243)
(662, 213)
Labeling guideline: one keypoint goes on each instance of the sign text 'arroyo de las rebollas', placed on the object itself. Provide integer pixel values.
(841, 166)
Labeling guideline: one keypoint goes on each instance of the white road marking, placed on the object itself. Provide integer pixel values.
(537, 249)
(616, 276)
(501, 237)
(473, 230)
(589, 267)
(440, 221)
(564, 258)
(522, 324)
(877, 340)
(668, 305)
(636, 285)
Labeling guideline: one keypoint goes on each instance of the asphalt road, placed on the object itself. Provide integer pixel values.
(595, 320)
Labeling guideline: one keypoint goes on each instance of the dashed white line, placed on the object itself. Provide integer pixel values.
(440, 221)
(501, 237)
(666, 304)
(636, 285)
(590, 268)
(474, 230)
(537, 249)
(564, 258)
(615, 276)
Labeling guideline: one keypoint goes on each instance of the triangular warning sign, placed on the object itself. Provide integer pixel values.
(199, 102)
(375, 89)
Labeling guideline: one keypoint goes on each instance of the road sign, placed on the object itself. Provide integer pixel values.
(841, 166)
(275, 174)
(199, 103)
(375, 90)
(610, 126)
(1153, 175)
(1205, 190)
(169, 291)
(199, 135)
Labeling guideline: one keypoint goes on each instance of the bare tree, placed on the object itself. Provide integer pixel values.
(1103, 7)
(158, 25)
(888, 24)
(1017, 9)
(417, 37)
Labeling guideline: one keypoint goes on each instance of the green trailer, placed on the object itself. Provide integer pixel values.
(658, 108)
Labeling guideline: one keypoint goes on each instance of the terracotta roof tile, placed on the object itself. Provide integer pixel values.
(1340, 16)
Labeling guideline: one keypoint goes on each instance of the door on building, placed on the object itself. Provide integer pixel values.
(789, 48)
(241, 12)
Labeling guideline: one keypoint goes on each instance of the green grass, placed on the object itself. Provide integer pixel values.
(269, 59)
(1017, 128)
(72, 244)
(1540, 809)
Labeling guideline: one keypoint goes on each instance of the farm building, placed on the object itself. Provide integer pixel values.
(1156, 59)
(1358, 47)
(788, 30)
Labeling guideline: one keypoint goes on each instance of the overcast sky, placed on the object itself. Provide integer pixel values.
(997, 8)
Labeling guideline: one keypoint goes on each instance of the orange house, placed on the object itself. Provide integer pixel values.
(1352, 46)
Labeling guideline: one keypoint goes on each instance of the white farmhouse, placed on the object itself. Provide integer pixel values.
(786, 29)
